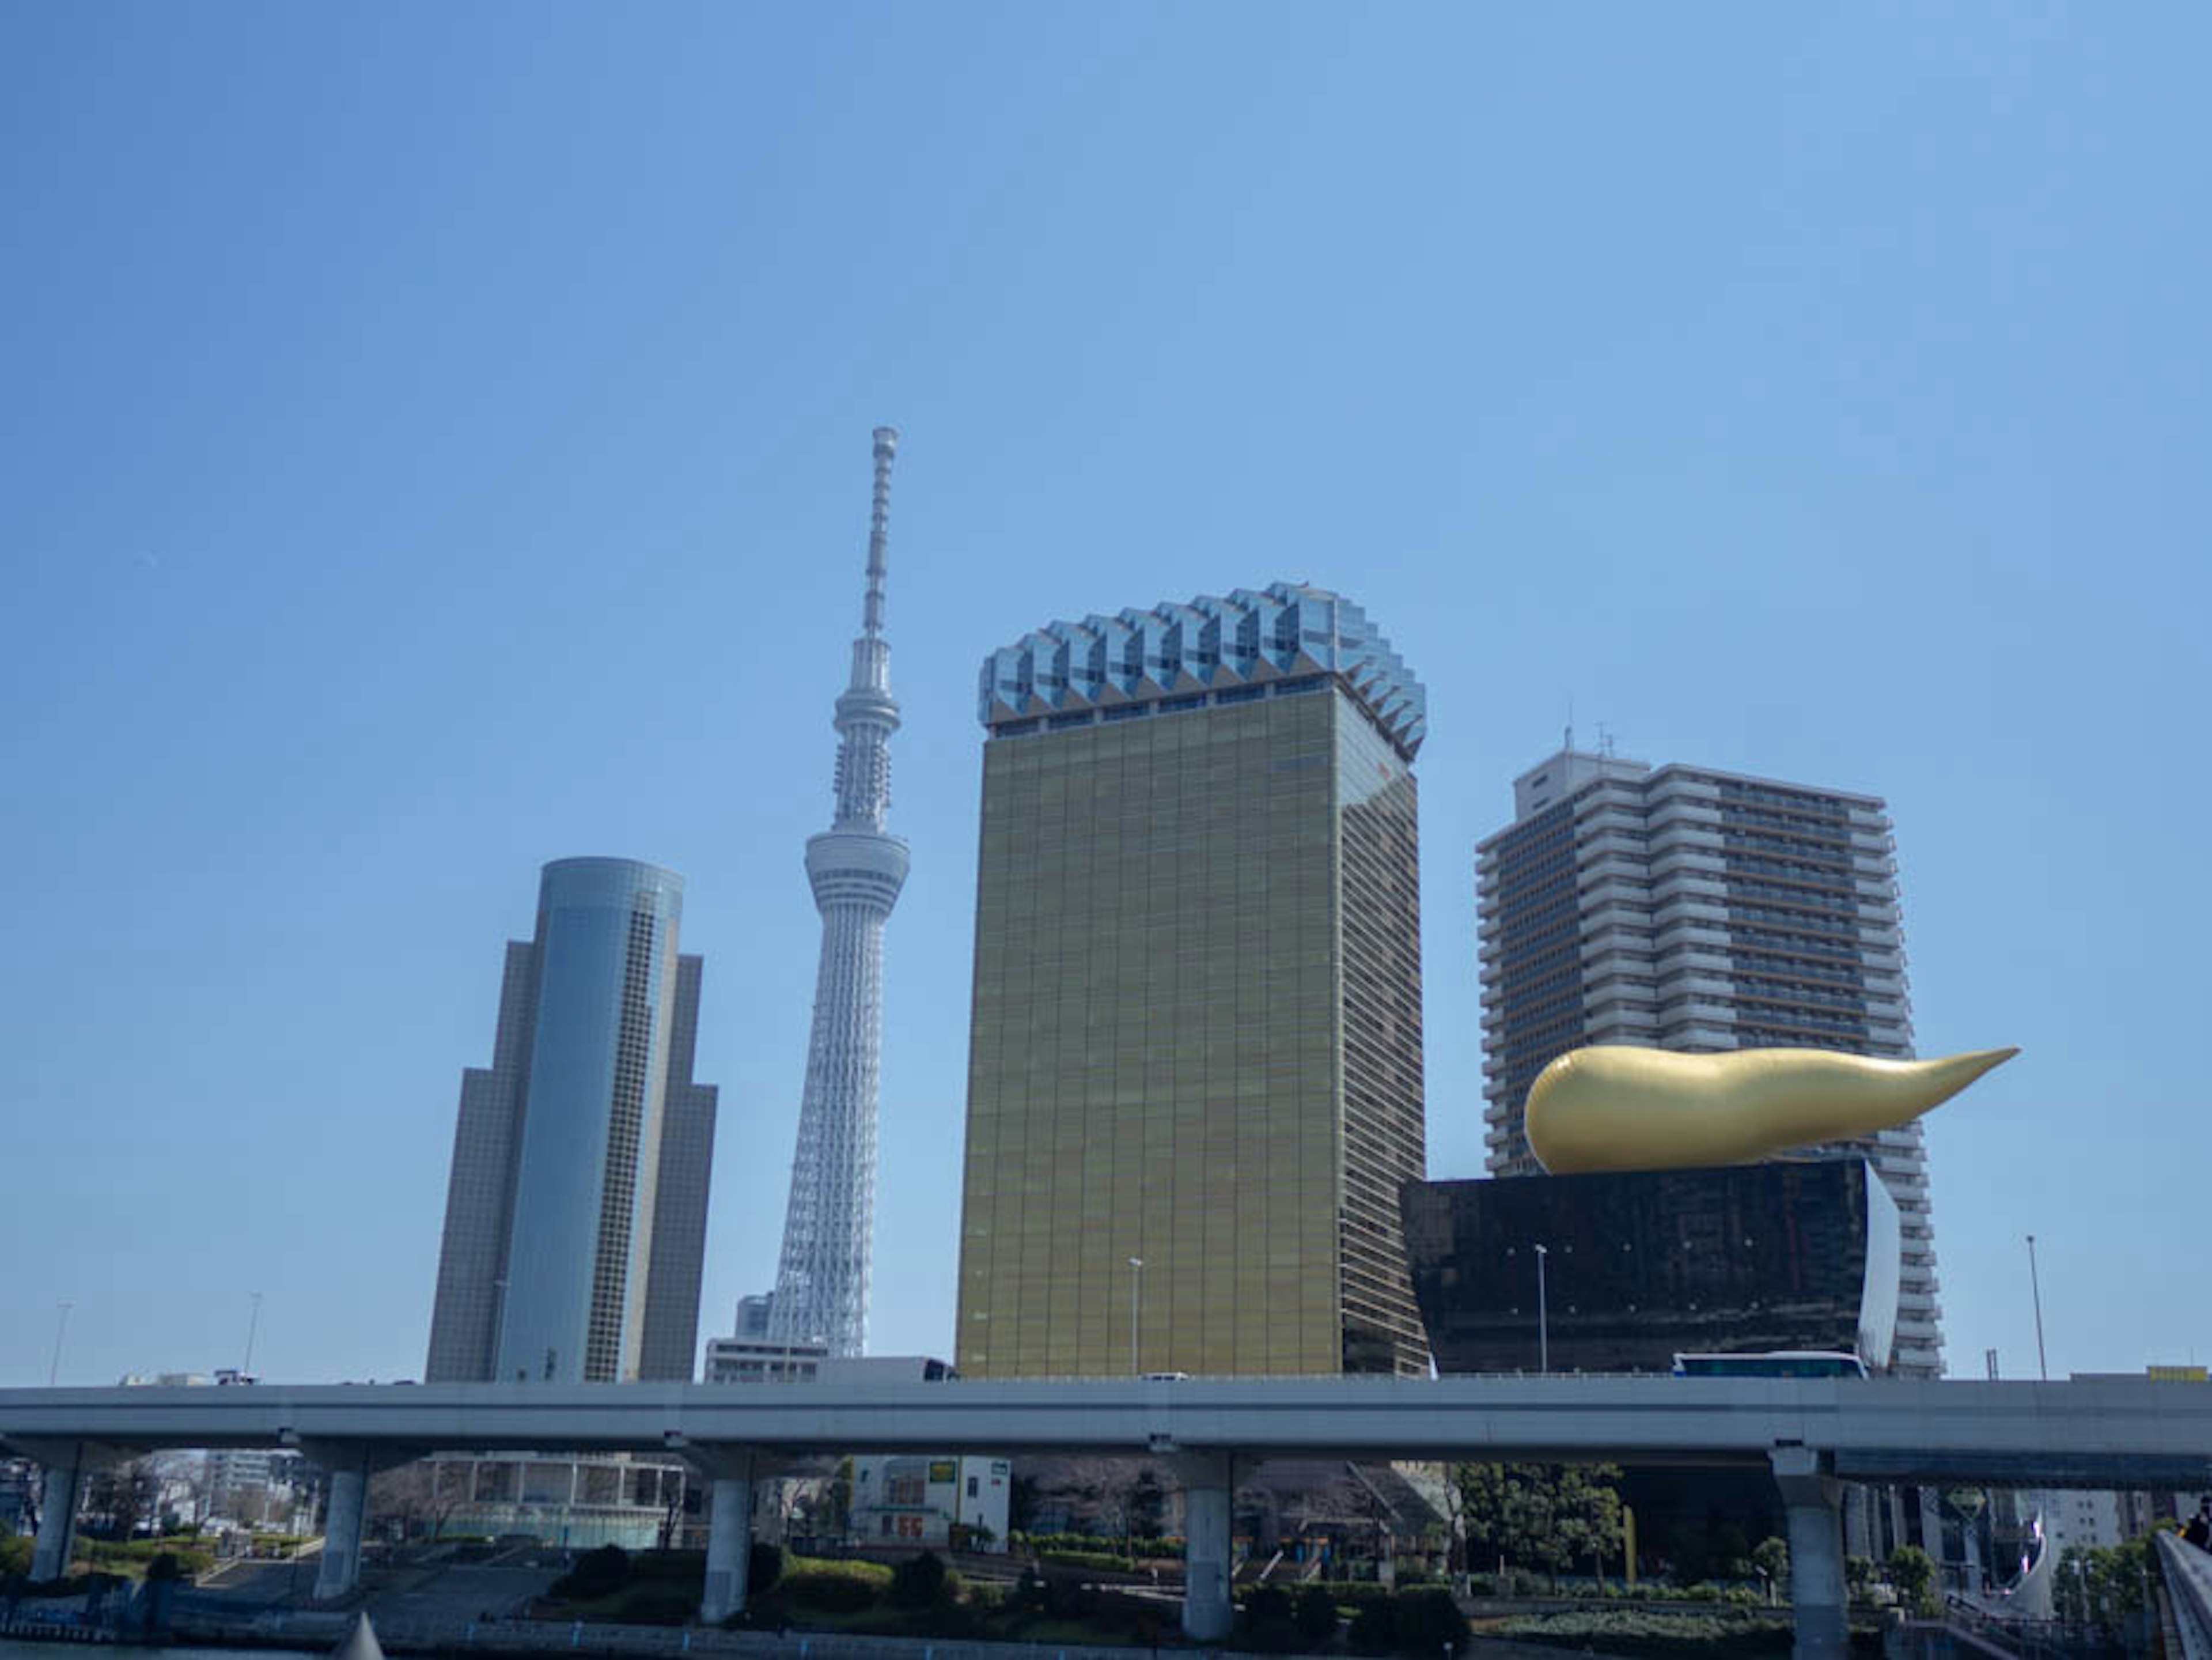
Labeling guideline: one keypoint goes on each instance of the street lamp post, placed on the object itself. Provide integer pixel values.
(1543, 1316)
(252, 1326)
(2035, 1289)
(1136, 1285)
(61, 1325)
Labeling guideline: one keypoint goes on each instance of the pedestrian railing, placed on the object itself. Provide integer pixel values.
(2188, 1590)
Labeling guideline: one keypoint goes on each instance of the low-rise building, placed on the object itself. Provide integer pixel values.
(960, 1502)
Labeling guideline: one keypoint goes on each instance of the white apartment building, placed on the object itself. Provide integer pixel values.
(1690, 909)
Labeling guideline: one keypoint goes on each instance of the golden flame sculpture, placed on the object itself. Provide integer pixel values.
(1614, 1107)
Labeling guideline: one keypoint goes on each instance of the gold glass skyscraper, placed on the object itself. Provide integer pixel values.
(1194, 1079)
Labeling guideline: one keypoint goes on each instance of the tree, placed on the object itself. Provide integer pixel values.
(413, 1498)
(1454, 1498)
(1546, 1515)
(1147, 1503)
(2100, 1583)
(120, 1498)
(1912, 1573)
(1588, 1511)
(1770, 1558)
(1108, 1486)
(1021, 1504)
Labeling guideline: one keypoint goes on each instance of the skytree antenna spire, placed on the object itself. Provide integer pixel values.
(879, 532)
(856, 869)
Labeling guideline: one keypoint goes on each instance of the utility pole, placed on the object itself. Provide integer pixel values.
(1136, 1291)
(61, 1325)
(252, 1326)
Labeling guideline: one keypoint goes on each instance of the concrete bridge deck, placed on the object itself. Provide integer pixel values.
(1812, 1433)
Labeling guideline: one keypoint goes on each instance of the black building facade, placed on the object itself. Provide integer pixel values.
(1640, 1266)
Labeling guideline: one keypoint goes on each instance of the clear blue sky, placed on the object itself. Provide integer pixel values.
(436, 440)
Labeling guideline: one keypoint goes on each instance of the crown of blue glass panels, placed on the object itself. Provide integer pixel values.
(1174, 657)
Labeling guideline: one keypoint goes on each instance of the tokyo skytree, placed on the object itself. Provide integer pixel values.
(856, 870)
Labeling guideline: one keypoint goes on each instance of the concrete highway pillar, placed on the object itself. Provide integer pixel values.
(729, 1547)
(1812, 1498)
(1209, 1488)
(729, 1472)
(65, 1470)
(340, 1568)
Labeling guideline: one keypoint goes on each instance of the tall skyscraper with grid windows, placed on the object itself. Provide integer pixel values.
(1195, 1074)
(576, 1211)
(1686, 909)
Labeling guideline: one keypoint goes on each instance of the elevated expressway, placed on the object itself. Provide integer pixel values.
(1812, 1433)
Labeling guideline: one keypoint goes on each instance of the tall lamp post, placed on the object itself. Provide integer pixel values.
(252, 1326)
(61, 1325)
(1136, 1291)
(2035, 1289)
(1543, 1316)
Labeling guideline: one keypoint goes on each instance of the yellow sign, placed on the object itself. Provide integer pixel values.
(2178, 1375)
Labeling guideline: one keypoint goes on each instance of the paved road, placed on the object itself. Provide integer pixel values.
(257, 1584)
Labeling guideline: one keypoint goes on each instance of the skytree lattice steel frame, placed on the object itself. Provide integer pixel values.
(856, 869)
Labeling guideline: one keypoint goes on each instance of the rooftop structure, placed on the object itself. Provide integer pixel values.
(1177, 657)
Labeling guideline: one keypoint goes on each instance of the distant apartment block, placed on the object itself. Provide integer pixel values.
(1686, 909)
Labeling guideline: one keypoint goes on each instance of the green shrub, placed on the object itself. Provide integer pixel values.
(1099, 1560)
(947, 1619)
(1429, 1621)
(833, 1587)
(669, 1567)
(1374, 1628)
(1264, 1627)
(598, 1573)
(763, 1568)
(919, 1582)
(1353, 1593)
(1645, 1635)
(658, 1602)
(1315, 1616)
(1095, 1544)
(14, 1556)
